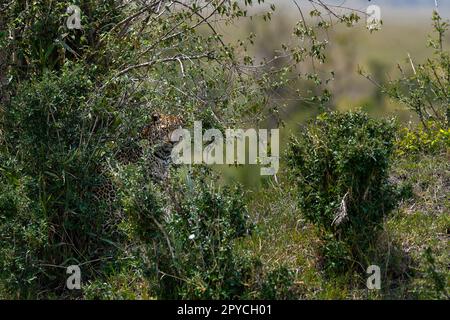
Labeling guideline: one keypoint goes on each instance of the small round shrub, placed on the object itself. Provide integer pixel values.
(340, 165)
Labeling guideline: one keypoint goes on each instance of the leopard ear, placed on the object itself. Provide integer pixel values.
(155, 117)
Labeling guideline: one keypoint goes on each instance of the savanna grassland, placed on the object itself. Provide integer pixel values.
(86, 178)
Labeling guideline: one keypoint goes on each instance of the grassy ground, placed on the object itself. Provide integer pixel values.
(412, 251)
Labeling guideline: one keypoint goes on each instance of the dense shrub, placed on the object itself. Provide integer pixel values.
(278, 285)
(23, 236)
(340, 164)
(205, 228)
(50, 160)
(192, 240)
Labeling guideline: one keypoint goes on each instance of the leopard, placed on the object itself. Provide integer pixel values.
(158, 134)
(156, 157)
(106, 190)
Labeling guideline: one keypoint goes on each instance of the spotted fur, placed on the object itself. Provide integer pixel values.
(156, 158)
(158, 133)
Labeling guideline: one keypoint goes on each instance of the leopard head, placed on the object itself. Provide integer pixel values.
(161, 127)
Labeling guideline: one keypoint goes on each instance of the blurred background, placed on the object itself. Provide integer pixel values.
(406, 27)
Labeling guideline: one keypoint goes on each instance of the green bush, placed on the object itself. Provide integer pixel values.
(23, 236)
(205, 229)
(182, 242)
(278, 285)
(50, 159)
(340, 164)
(192, 253)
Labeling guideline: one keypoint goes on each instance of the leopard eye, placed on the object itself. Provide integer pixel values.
(155, 117)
